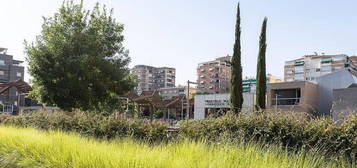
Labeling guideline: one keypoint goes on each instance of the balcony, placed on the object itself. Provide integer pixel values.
(285, 101)
(286, 97)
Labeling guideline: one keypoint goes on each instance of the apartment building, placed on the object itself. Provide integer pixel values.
(250, 84)
(10, 70)
(213, 76)
(311, 67)
(151, 78)
(170, 92)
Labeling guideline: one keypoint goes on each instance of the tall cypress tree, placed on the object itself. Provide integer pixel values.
(236, 96)
(261, 69)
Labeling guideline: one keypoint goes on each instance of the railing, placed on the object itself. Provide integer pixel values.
(7, 109)
(285, 101)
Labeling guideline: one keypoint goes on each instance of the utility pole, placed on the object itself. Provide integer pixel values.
(276, 102)
(188, 99)
(182, 109)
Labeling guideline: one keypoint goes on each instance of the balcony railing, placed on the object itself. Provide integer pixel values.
(285, 101)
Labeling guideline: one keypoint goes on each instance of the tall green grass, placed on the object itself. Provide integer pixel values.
(25, 147)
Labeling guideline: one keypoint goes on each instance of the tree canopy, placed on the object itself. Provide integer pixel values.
(78, 61)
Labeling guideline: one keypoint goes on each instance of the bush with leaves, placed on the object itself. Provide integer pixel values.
(88, 124)
(285, 130)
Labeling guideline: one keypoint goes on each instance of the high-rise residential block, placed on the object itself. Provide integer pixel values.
(311, 67)
(213, 76)
(151, 78)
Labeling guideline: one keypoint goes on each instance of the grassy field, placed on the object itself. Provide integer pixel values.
(21, 147)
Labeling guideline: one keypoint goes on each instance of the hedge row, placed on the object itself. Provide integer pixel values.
(285, 130)
(91, 125)
(322, 134)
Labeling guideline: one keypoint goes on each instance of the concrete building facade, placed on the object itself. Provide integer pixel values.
(10, 70)
(213, 76)
(150, 78)
(318, 97)
(344, 102)
(327, 83)
(300, 96)
(311, 67)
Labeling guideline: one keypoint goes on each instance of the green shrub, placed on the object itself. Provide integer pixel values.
(94, 125)
(285, 130)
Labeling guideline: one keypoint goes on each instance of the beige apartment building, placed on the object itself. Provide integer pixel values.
(311, 67)
(150, 78)
(213, 76)
(170, 92)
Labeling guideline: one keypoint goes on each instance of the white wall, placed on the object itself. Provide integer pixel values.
(217, 101)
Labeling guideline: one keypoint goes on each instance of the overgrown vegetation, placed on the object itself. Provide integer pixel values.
(285, 130)
(33, 148)
(93, 125)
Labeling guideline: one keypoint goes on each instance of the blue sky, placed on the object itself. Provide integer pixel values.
(183, 33)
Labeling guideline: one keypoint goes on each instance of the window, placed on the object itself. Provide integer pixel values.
(2, 72)
(286, 97)
(299, 69)
(289, 79)
(310, 78)
(299, 77)
(2, 62)
(18, 74)
(312, 70)
(289, 72)
(339, 59)
(326, 68)
(338, 68)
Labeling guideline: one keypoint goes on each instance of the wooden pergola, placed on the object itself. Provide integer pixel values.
(20, 85)
(22, 88)
(153, 101)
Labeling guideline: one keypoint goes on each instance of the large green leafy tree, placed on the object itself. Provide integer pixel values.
(78, 61)
(261, 69)
(236, 95)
